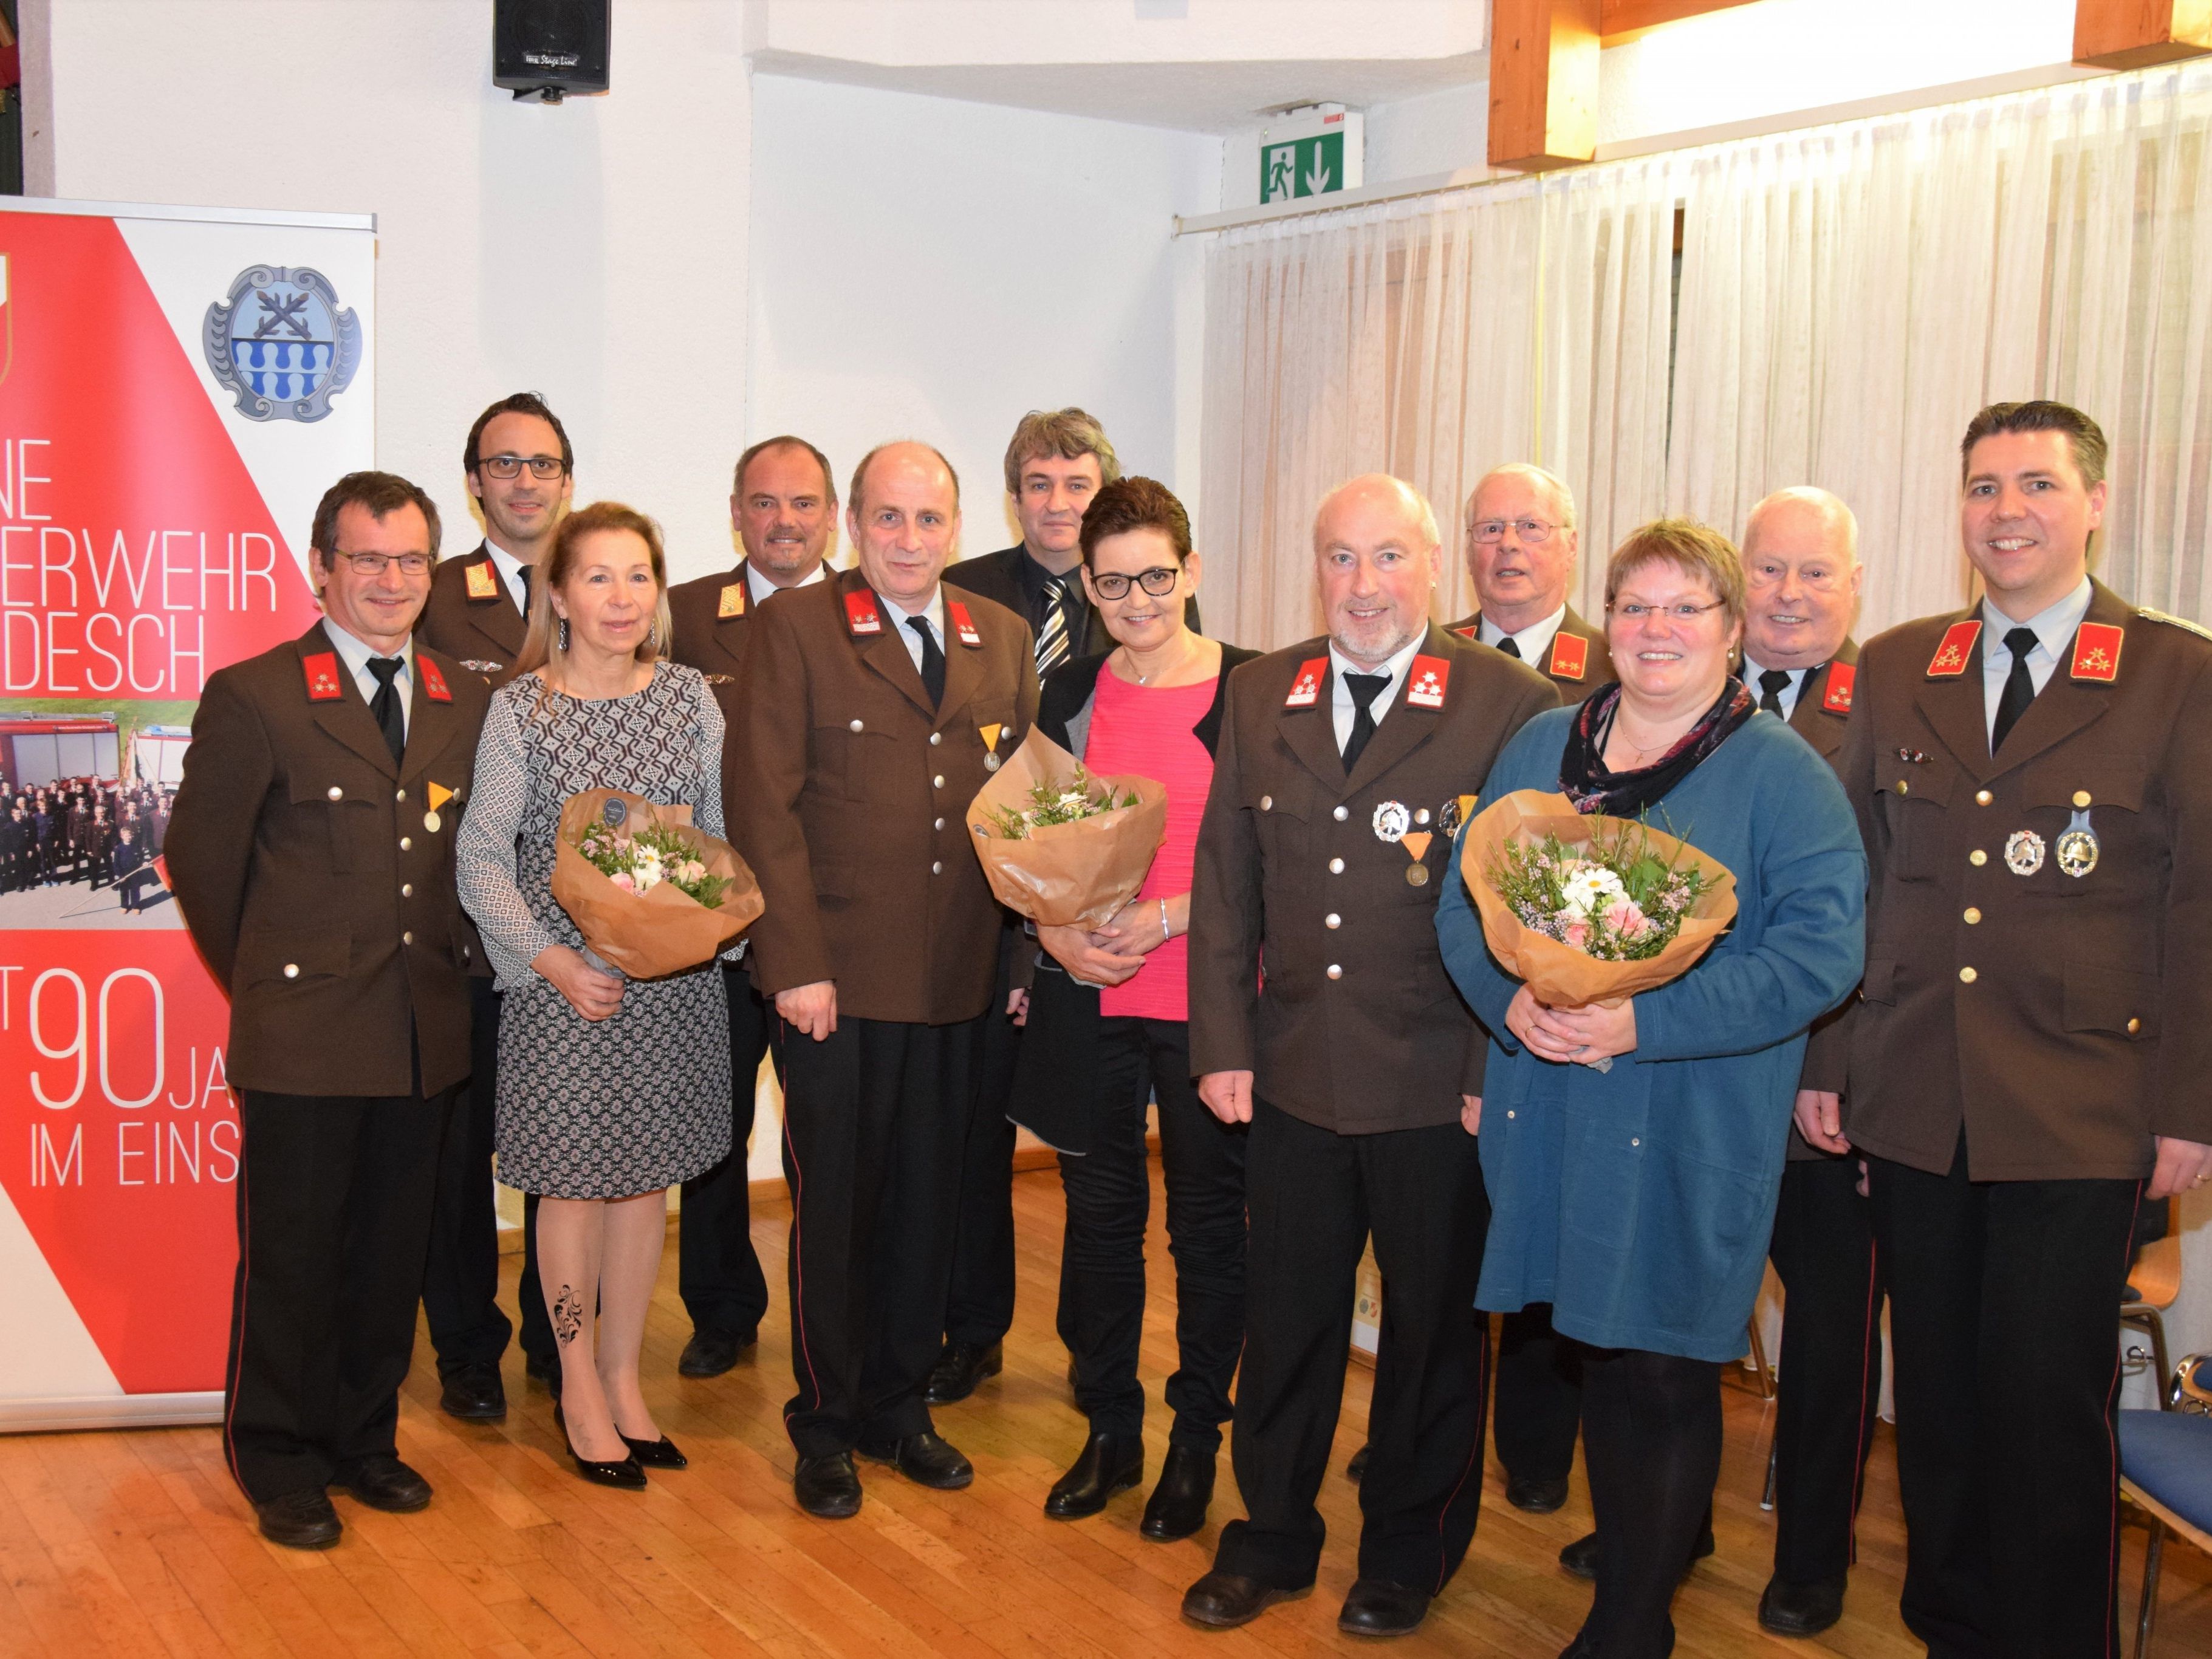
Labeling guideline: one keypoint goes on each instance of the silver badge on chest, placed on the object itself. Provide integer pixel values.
(2076, 849)
(1392, 820)
(2023, 851)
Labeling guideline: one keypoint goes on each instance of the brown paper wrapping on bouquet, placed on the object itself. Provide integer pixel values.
(665, 930)
(1560, 975)
(1066, 875)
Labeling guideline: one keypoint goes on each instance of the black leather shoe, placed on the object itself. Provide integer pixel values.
(1109, 1463)
(1581, 1648)
(1177, 1507)
(384, 1483)
(625, 1472)
(1789, 1609)
(1223, 1600)
(1537, 1497)
(959, 1369)
(475, 1395)
(709, 1353)
(827, 1485)
(547, 1371)
(1356, 1470)
(1580, 1558)
(924, 1459)
(659, 1453)
(300, 1520)
(1376, 1607)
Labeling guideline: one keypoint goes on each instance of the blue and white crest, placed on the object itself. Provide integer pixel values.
(281, 345)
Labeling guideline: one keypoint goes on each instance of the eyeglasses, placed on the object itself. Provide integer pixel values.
(1532, 531)
(1818, 578)
(510, 466)
(372, 564)
(1159, 581)
(1683, 613)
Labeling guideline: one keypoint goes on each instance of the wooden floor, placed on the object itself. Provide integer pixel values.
(138, 1543)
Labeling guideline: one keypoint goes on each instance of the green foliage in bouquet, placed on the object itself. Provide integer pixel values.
(1056, 802)
(641, 860)
(1617, 898)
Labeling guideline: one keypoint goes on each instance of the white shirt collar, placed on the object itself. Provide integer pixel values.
(1340, 696)
(759, 589)
(1534, 641)
(2054, 627)
(1752, 669)
(355, 653)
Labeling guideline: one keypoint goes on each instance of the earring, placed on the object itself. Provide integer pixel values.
(564, 636)
(653, 636)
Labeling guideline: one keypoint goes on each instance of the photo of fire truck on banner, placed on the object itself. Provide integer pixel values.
(85, 793)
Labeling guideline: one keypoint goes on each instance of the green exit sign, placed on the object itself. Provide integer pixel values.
(1302, 167)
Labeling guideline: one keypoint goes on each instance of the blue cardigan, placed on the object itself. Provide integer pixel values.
(1638, 1201)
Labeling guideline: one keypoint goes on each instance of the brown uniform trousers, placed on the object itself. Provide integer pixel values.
(323, 900)
(2030, 1019)
(1360, 1050)
(850, 800)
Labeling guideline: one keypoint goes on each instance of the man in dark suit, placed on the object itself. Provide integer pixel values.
(871, 708)
(2029, 1056)
(521, 470)
(318, 882)
(783, 504)
(1522, 547)
(1326, 840)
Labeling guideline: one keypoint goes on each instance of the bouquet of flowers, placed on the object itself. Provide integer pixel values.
(1060, 845)
(1586, 908)
(651, 894)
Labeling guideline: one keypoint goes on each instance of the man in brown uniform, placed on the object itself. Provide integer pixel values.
(519, 467)
(871, 708)
(312, 853)
(1327, 837)
(2033, 779)
(783, 504)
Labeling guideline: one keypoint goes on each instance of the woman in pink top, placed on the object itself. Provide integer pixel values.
(1109, 1032)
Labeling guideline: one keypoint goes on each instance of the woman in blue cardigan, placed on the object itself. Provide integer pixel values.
(1638, 1201)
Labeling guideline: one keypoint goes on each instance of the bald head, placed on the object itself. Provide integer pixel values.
(1375, 555)
(1521, 544)
(1801, 578)
(904, 518)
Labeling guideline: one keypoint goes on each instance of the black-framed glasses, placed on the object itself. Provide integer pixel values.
(510, 466)
(1681, 613)
(372, 564)
(1532, 531)
(1159, 581)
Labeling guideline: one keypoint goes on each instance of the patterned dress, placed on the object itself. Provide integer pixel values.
(618, 1106)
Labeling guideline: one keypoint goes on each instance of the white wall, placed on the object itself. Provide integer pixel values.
(594, 251)
(930, 269)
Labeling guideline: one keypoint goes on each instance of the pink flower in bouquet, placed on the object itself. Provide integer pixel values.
(1576, 930)
(1626, 918)
(622, 879)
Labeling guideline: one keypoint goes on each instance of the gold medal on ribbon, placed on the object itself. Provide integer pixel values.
(1416, 842)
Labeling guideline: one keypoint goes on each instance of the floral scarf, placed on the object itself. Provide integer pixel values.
(1584, 780)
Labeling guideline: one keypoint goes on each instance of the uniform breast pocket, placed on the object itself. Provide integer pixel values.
(1912, 799)
(1281, 809)
(345, 799)
(2089, 808)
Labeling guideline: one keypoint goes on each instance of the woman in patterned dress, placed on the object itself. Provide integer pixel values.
(610, 1090)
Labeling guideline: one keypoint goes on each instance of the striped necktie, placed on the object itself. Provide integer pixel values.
(1052, 646)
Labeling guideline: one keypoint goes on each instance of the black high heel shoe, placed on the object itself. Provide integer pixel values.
(628, 1474)
(659, 1453)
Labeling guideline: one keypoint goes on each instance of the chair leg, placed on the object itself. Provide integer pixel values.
(1773, 1463)
(2158, 1353)
(2154, 1557)
(1759, 1359)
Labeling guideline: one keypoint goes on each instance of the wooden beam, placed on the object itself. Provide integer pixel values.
(1622, 20)
(2124, 35)
(1543, 83)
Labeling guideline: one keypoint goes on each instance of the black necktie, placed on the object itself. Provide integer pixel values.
(1772, 683)
(2019, 686)
(1509, 644)
(932, 660)
(1364, 689)
(384, 706)
(524, 572)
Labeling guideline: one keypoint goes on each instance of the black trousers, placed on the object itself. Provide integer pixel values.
(334, 1196)
(1101, 1274)
(1830, 1387)
(979, 1308)
(1314, 1197)
(874, 1117)
(460, 1280)
(1651, 1444)
(717, 1273)
(1540, 1395)
(2004, 1298)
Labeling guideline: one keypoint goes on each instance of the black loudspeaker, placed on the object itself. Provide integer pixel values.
(548, 48)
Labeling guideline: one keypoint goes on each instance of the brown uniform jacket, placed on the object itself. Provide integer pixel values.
(2065, 1019)
(711, 614)
(1576, 679)
(323, 903)
(850, 797)
(1357, 1028)
(481, 630)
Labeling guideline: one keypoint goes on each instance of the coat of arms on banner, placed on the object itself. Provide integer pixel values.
(281, 343)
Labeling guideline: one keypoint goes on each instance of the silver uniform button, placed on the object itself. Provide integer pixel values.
(402, 795)
(936, 738)
(405, 843)
(1332, 920)
(407, 939)
(936, 869)
(937, 782)
(337, 793)
(1266, 803)
(291, 971)
(939, 824)
(407, 890)
(1342, 813)
(857, 726)
(1336, 866)
(1334, 971)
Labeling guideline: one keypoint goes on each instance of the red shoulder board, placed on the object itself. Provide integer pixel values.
(1472, 631)
(323, 683)
(483, 581)
(1425, 682)
(1305, 689)
(861, 618)
(963, 624)
(1950, 658)
(2097, 652)
(1841, 677)
(434, 683)
(1570, 656)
